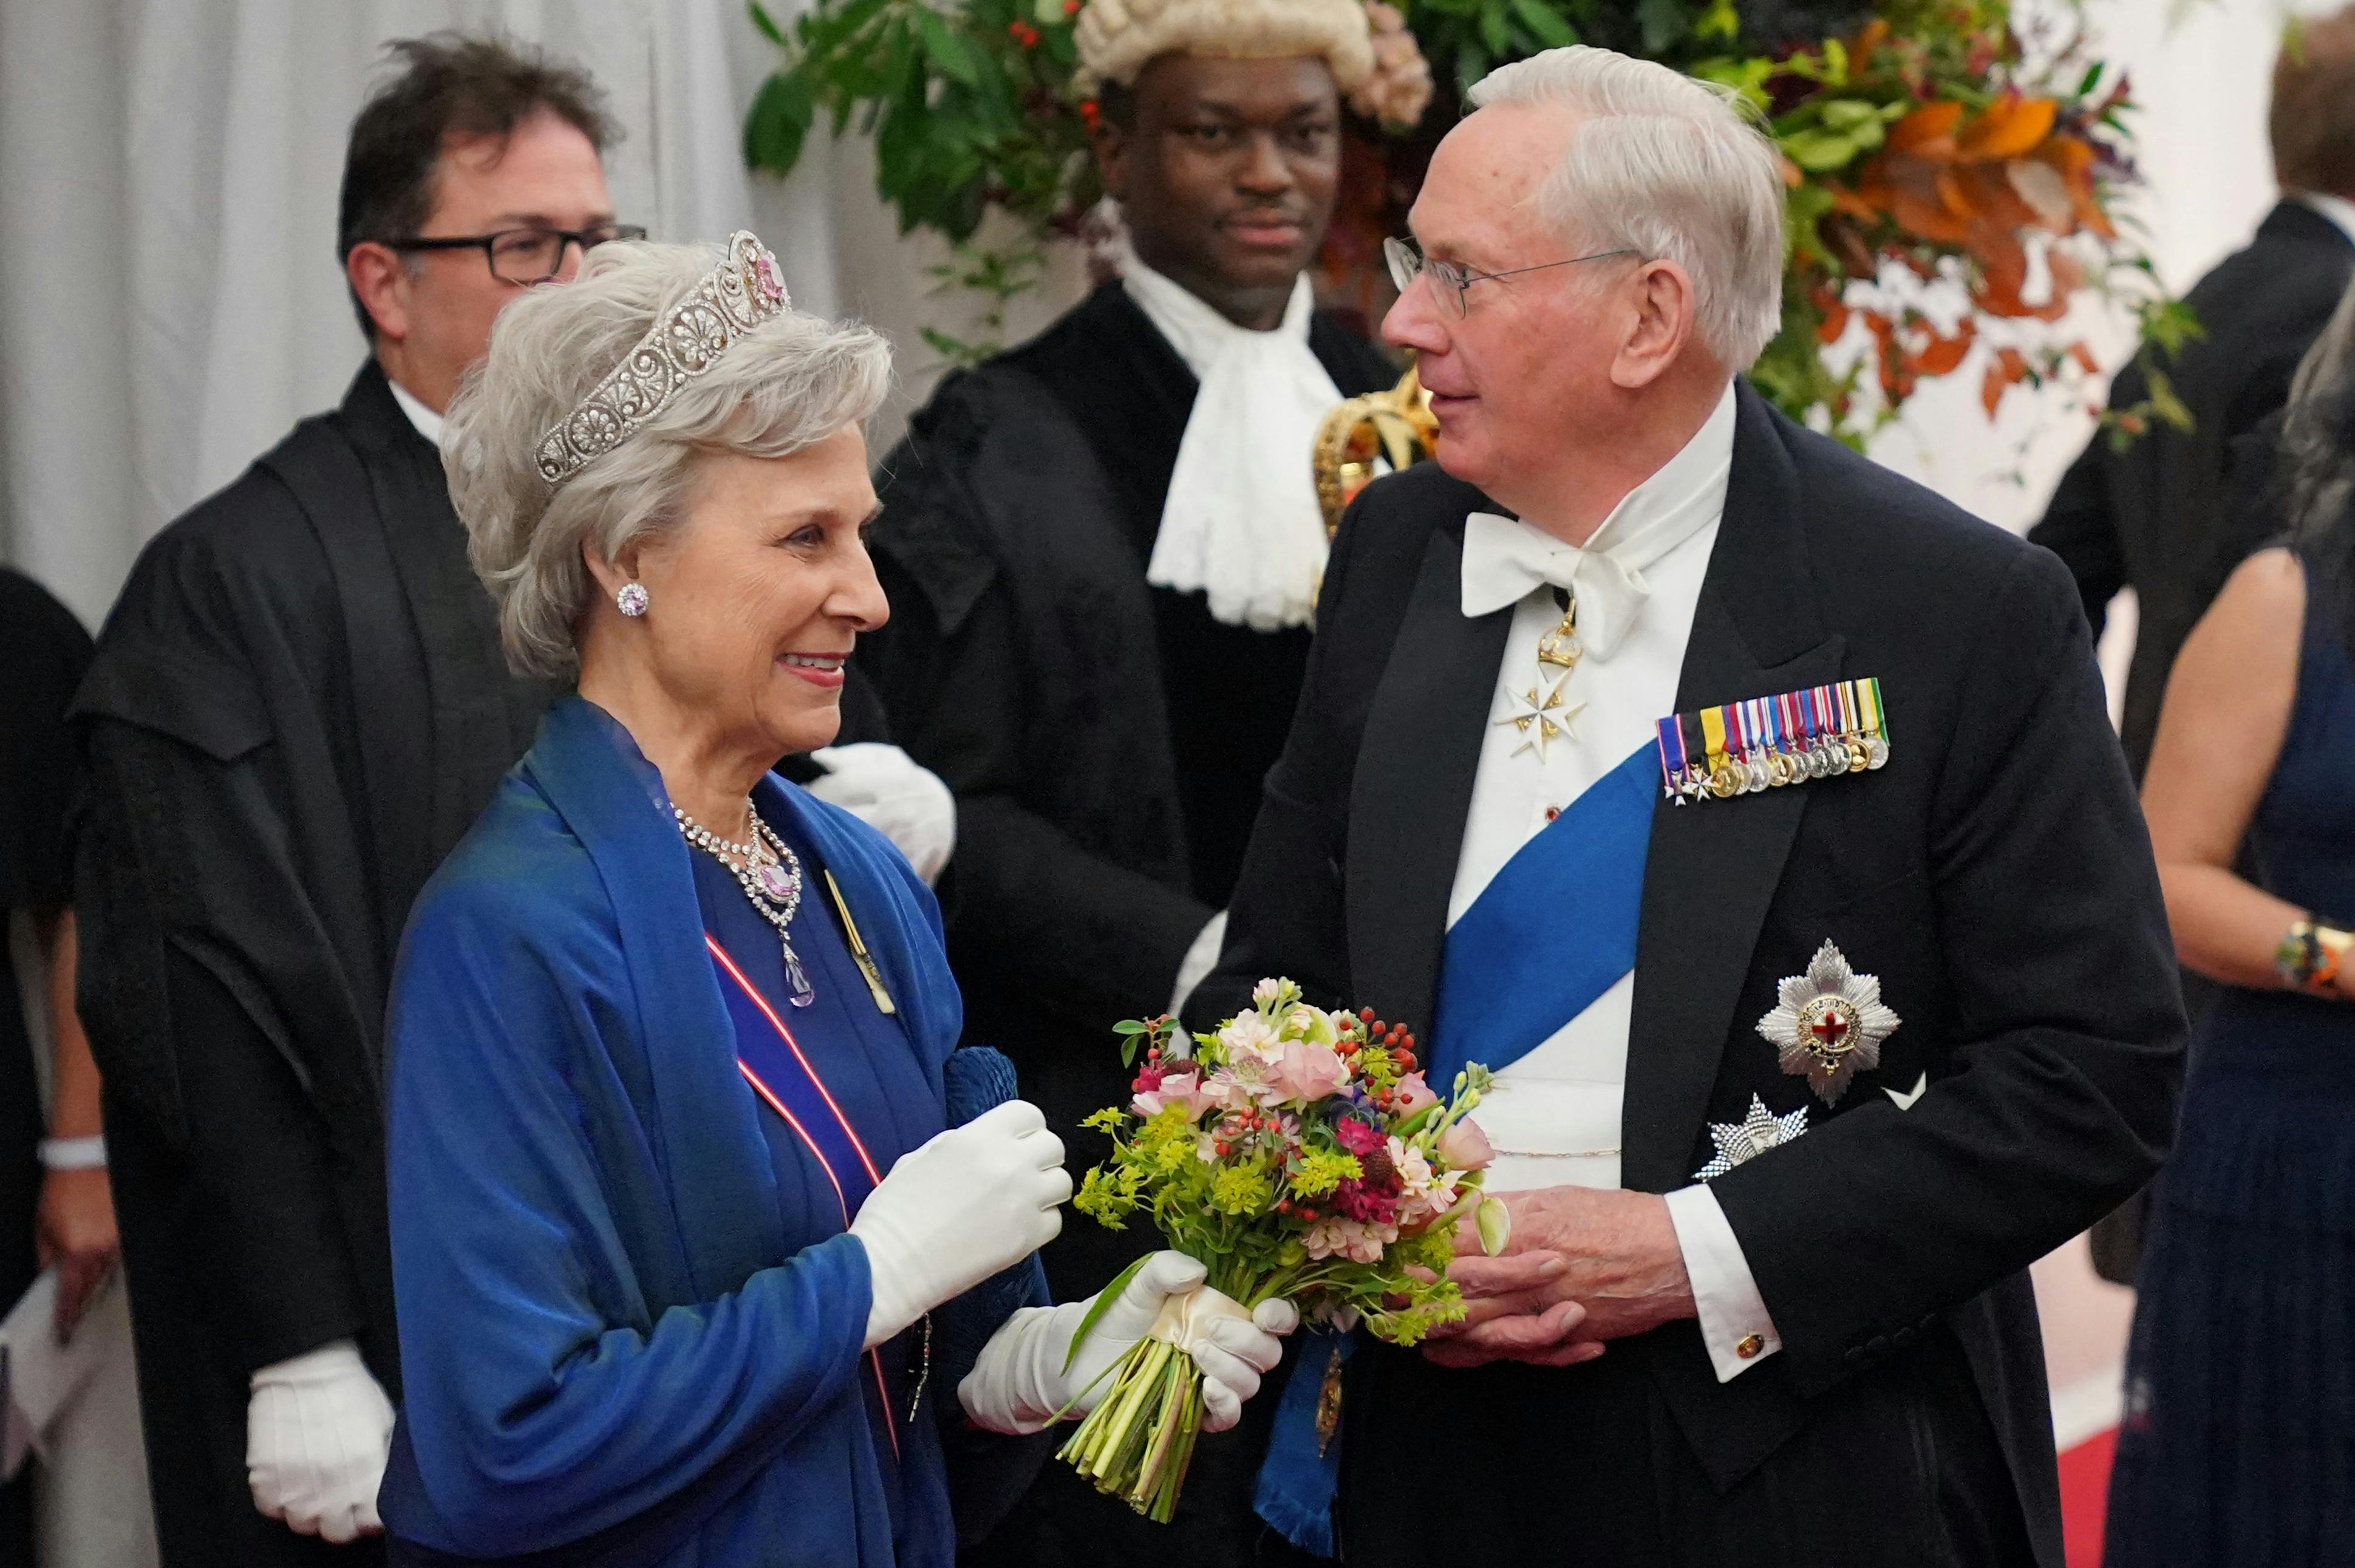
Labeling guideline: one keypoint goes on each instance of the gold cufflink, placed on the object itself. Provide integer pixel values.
(1749, 1347)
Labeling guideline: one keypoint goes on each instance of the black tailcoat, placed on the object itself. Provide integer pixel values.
(298, 705)
(1995, 875)
(1105, 740)
(2151, 516)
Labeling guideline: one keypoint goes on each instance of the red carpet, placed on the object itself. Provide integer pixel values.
(2085, 1490)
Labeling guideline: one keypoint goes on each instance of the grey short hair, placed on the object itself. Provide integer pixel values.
(787, 384)
(1673, 169)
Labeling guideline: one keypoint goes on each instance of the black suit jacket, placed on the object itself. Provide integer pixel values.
(2153, 516)
(1995, 875)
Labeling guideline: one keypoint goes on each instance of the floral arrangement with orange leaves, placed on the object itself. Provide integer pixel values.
(1955, 171)
(1953, 185)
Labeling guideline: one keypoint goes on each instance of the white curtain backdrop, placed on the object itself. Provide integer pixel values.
(170, 301)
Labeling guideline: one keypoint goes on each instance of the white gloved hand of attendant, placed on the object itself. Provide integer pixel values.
(885, 788)
(973, 1201)
(317, 1429)
(1019, 1384)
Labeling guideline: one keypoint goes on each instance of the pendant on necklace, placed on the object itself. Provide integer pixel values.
(774, 882)
(1560, 646)
(803, 992)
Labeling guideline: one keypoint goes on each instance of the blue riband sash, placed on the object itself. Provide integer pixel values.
(1553, 932)
(772, 1061)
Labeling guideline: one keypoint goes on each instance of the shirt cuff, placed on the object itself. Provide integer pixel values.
(1733, 1321)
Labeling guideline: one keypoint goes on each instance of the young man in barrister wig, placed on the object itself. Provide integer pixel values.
(1756, 816)
(1101, 550)
(297, 709)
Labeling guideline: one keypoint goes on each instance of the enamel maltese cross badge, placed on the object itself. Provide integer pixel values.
(1829, 1024)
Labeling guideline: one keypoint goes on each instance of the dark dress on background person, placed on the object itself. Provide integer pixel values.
(43, 653)
(2160, 513)
(1105, 740)
(298, 705)
(2236, 1448)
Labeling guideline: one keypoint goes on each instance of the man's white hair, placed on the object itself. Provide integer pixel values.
(788, 383)
(1672, 168)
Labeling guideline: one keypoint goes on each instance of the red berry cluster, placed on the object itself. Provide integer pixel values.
(1024, 34)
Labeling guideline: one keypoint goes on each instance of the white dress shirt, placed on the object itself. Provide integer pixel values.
(428, 422)
(1554, 1115)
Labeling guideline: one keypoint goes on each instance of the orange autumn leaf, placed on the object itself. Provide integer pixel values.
(1872, 37)
(1861, 203)
(2007, 370)
(2010, 126)
(1835, 324)
(1944, 354)
(1927, 131)
(2084, 359)
(1793, 175)
(1988, 190)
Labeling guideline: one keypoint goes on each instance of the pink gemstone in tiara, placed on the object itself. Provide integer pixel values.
(764, 269)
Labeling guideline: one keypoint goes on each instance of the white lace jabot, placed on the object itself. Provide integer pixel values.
(1240, 524)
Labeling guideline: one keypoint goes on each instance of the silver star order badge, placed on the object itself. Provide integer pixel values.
(1539, 715)
(1738, 1142)
(1829, 1025)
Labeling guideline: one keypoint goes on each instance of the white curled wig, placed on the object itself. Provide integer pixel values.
(1116, 38)
(788, 383)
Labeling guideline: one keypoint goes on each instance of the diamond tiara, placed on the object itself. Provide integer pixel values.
(734, 297)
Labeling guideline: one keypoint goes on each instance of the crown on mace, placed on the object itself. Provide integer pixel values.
(733, 299)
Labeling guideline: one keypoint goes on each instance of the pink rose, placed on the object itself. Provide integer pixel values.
(1465, 1147)
(1176, 1089)
(1412, 1094)
(1308, 1072)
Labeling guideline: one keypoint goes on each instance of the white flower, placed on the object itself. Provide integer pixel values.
(1250, 1037)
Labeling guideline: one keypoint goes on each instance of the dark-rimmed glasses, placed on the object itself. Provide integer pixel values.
(1452, 282)
(525, 255)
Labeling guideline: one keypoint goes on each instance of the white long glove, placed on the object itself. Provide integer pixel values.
(317, 1430)
(969, 1202)
(1019, 1384)
(885, 788)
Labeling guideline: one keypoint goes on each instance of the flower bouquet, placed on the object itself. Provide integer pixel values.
(1296, 1153)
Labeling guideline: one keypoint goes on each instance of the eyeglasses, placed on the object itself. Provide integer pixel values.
(1450, 283)
(525, 255)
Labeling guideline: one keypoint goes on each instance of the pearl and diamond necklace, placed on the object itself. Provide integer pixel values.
(771, 875)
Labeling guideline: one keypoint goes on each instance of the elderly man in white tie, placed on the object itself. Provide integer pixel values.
(1755, 815)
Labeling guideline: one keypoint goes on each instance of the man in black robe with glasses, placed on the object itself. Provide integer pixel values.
(297, 708)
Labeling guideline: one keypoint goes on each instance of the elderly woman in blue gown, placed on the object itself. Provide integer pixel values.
(691, 1267)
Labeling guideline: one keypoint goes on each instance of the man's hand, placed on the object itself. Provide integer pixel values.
(77, 1235)
(1585, 1266)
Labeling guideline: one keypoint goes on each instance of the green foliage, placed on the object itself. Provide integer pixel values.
(971, 110)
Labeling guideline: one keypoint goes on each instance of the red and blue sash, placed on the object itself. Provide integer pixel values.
(772, 1062)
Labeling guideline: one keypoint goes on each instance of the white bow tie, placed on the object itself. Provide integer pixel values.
(1505, 559)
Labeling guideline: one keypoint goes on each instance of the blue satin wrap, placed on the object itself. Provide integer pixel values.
(615, 1347)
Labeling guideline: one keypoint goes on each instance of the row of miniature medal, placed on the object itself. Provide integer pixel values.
(1765, 742)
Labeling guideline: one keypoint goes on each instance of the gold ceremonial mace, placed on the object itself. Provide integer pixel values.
(1397, 425)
